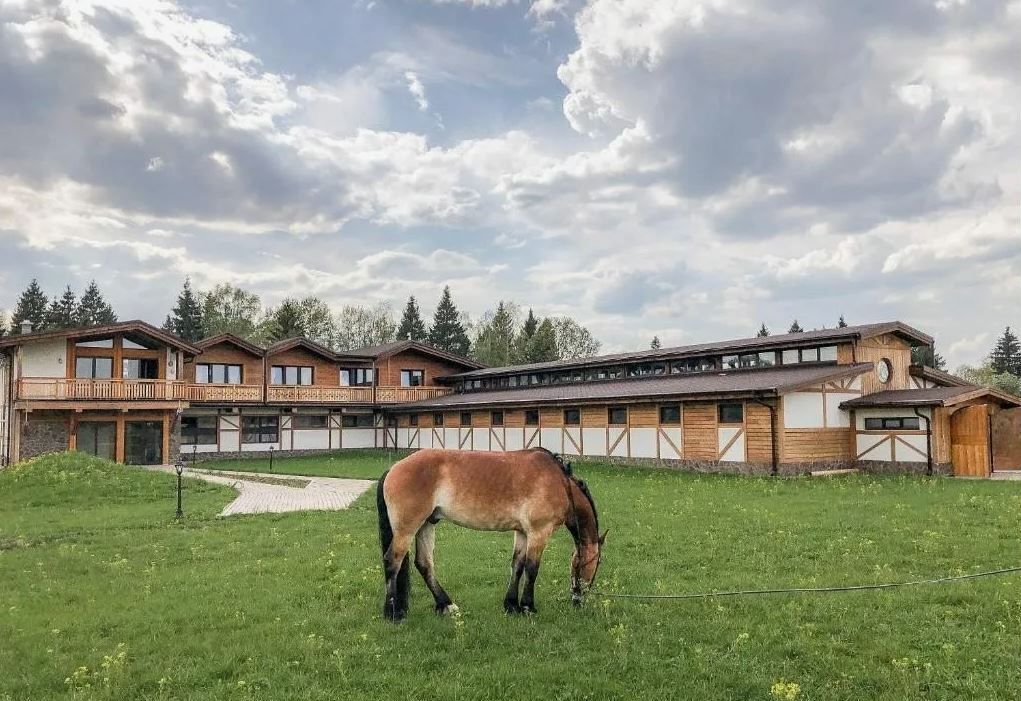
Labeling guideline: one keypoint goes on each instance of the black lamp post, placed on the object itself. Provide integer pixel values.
(271, 458)
(179, 469)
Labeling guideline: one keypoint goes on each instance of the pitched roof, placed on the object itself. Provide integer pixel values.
(386, 350)
(299, 342)
(768, 382)
(936, 396)
(234, 340)
(938, 376)
(135, 326)
(789, 340)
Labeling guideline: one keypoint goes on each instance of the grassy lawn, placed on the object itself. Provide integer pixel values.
(366, 464)
(105, 596)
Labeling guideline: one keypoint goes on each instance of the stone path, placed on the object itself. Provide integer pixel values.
(320, 494)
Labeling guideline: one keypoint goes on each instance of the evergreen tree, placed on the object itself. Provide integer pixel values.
(63, 312)
(927, 355)
(542, 346)
(841, 324)
(1006, 355)
(93, 310)
(795, 328)
(186, 316)
(655, 344)
(530, 326)
(763, 331)
(522, 343)
(31, 307)
(447, 332)
(3, 323)
(494, 344)
(412, 328)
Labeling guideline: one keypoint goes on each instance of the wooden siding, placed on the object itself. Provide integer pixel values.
(251, 367)
(701, 441)
(898, 352)
(940, 436)
(551, 418)
(326, 373)
(389, 369)
(643, 415)
(514, 418)
(816, 444)
(758, 432)
(594, 416)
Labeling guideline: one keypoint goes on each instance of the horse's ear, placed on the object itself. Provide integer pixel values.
(602, 538)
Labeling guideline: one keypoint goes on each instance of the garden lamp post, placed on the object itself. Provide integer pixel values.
(271, 458)
(179, 469)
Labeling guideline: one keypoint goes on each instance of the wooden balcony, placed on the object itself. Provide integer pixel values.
(224, 393)
(75, 389)
(317, 394)
(401, 395)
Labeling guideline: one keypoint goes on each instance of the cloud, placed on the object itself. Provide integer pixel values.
(417, 91)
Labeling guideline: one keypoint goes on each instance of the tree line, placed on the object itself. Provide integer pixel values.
(59, 312)
(1001, 369)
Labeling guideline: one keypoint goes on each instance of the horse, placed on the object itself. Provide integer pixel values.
(531, 492)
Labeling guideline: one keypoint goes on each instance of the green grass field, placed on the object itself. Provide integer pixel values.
(367, 464)
(105, 596)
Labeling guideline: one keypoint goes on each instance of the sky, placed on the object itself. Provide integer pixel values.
(650, 167)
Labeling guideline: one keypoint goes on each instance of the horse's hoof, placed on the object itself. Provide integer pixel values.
(529, 610)
(447, 609)
(393, 614)
(511, 607)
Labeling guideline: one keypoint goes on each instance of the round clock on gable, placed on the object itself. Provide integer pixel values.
(884, 370)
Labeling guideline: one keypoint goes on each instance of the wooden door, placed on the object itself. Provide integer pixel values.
(969, 441)
(1006, 438)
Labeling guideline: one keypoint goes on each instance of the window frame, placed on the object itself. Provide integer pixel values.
(528, 415)
(410, 374)
(266, 423)
(413, 420)
(496, 417)
(298, 369)
(92, 360)
(438, 419)
(893, 423)
(575, 414)
(192, 435)
(356, 421)
(299, 418)
(465, 419)
(664, 422)
(226, 373)
(611, 420)
(720, 410)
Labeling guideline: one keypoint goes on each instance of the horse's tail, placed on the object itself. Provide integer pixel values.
(386, 536)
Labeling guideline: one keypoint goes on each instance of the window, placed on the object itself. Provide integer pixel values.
(611, 373)
(198, 430)
(102, 343)
(810, 355)
(304, 422)
(260, 429)
(94, 368)
(731, 413)
(437, 419)
(356, 421)
(291, 375)
(357, 377)
(466, 418)
(412, 378)
(413, 419)
(828, 353)
(572, 417)
(646, 369)
(670, 414)
(748, 360)
(133, 345)
(496, 418)
(791, 356)
(766, 359)
(906, 423)
(617, 415)
(140, 368)
(730, 362)
(884, 370)
(692, 365)
(531, 417)
(217, 374)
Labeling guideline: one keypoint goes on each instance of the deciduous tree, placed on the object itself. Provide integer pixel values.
(573, 339)
(230, 309)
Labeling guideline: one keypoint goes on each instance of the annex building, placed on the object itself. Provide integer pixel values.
(833, 398)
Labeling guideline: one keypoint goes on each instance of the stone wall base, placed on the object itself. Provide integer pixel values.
(43, 435)
(884, 467)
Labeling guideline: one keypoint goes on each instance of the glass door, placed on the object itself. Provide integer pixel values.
(143, 442)
(98, 438)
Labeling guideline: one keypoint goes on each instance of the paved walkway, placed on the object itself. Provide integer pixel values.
(319, 494)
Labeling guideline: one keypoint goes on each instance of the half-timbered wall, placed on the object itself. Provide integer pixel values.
(333, 436)
(891, 445)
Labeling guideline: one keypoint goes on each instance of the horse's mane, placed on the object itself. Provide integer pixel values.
(565, 467)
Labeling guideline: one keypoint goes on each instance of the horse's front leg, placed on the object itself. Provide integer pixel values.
(510, 601)
(533, 556)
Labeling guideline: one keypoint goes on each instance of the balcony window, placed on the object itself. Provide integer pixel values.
(412, 378)
(810, 355)
(496, 418)
(611, 373)
(731, 413)
(357, 377)
(305, 422)
(140, 368)
(670, 414)
(291, 375)
(356, 421)
(617, 415)
(531, 417)
(438, 419)
(260, 429)
(572, 417)
(466, 418)
(93, 368)
(217, 374)
(198, 430)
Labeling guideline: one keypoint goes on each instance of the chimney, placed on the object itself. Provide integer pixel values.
(26, 326)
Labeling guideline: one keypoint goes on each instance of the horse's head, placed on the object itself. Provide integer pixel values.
(584, 565)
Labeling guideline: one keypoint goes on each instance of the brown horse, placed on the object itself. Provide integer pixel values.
(531, 492)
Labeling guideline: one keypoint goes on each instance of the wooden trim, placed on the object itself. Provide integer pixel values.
(873, 447)
(900, 440)
(666, 437)
(730, 444)
(119, 445)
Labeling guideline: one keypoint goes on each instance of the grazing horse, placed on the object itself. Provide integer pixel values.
(531, 492)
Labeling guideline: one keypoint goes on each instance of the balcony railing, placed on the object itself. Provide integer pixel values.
(400, 395)
(224, 393)
(59, 388)
(314, 393)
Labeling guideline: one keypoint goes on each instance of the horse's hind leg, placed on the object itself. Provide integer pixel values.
(510, 601)
(425, 541)
(395, 571)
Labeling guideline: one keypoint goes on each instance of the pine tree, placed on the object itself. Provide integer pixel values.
(655, 344)
(186, 316)
(63, 312)
(795, 328)
(31, 307)
(530, 326)
(841, 324)
(1006, 355)
(447, 332)
(412, 328)
(927, 355)
(93, 310)
(763, 331)
(542, 347)
(522, 352)
(494, 345)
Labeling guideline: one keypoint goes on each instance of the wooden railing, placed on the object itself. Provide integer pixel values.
(224, 393)
(315, 393)
(400, 395)
(59, 388)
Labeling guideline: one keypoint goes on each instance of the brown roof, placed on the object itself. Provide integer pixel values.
(298, 342)
(938, 376)
(789, 340)
(134, 326)
(386, 350)
(936, 396)
(233, 340)
(764, 382)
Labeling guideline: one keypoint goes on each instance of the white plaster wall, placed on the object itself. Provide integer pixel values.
(667, 451)
(902, 453)
(873, 446)
(498, 438)
(45, 359)
(256, 447)
(595, 441)
(425, 438)
(643, 442)
(736, 451)
(480, 439)
(861, 414)
(622, 446)
(569, 447)
(311, 439)
(359, 438)
(515, 439)
(803, 410)
(402, 437)
(451, 436)
(532, 437)
(188, 448)
(835, 416)
(552, 439)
